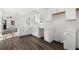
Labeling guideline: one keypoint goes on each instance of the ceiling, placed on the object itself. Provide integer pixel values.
(18, 11)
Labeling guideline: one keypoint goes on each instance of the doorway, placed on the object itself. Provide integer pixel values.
(4, 24)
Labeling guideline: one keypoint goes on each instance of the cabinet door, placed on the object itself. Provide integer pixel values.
(70, 35)
(70, 40)
(46, 35)
(70, 14)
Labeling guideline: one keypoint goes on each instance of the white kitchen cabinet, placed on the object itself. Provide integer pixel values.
(70, 14)
(48, 34)
(70, 35)
(24, 31)
(70, 40)
(35, 32)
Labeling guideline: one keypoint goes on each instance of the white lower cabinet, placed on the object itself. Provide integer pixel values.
(70, 41)
(70, 35)
(24, 31)
(48, 35)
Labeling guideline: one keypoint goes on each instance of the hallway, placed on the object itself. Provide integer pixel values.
(29, 42)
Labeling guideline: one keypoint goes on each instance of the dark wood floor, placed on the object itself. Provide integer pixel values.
(29, 43)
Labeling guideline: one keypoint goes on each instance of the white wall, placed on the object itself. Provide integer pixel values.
(0, 28)
(77, 32)
(0, 24)
(58, 30)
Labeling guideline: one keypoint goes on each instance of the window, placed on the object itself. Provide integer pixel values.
(12, 22)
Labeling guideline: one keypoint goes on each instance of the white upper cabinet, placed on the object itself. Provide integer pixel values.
(70, 14)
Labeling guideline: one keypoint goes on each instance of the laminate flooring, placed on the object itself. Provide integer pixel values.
(29, 42)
